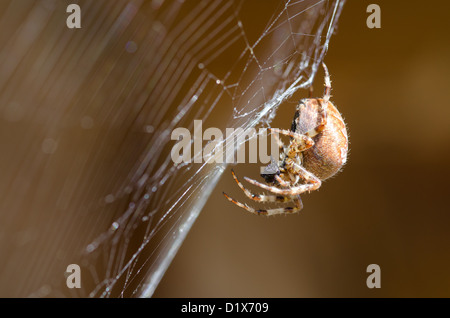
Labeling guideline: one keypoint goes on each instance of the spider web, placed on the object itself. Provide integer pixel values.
(134, 72)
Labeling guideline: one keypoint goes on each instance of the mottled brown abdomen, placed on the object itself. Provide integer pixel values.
(329, 152)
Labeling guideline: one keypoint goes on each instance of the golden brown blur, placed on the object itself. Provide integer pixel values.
(389, 206)
(75, 121)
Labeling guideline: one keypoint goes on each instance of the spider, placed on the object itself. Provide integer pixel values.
(317, 150)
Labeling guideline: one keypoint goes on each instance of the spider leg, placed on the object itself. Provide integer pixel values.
(296, 199)
(296, 169)
(288, 210)
(282, 182)
(327, 94)
(323, 104)
(259, 197)
(299, 144)
(244, 206)
(313, 183)
(299, 137)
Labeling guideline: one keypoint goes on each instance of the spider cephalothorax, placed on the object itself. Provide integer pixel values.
(317, 150)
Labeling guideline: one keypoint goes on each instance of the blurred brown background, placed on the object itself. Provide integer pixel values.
(70, 138)
(389, 206)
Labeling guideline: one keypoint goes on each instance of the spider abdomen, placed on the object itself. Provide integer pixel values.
(329, 152)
